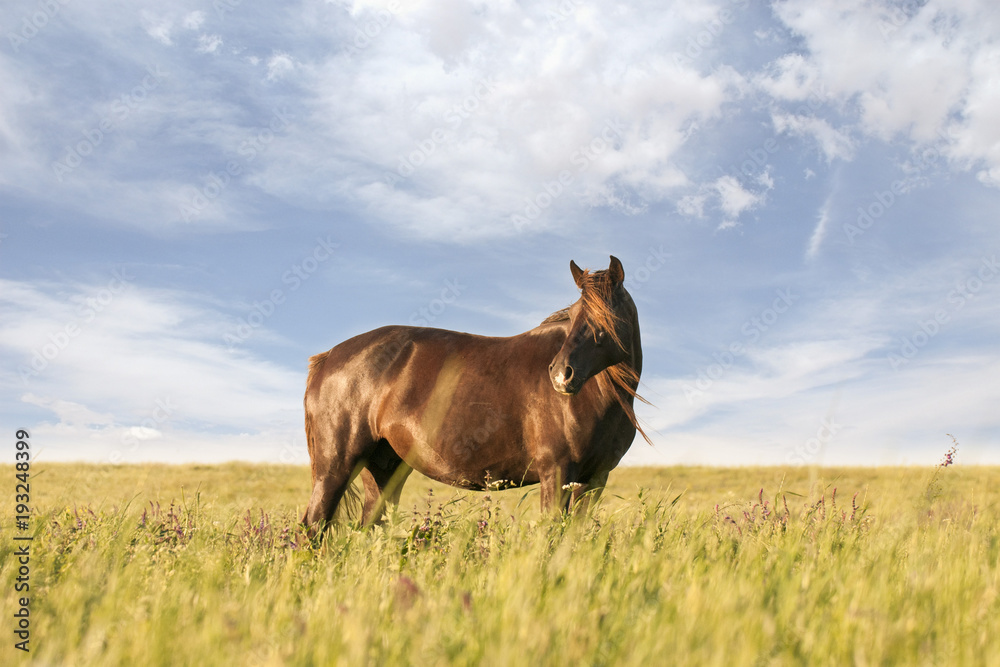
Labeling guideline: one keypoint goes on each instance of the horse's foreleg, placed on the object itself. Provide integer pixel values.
(555, 489)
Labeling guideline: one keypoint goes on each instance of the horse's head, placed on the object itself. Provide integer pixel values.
(602, 327)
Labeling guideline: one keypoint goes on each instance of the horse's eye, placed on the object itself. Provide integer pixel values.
(600, 337)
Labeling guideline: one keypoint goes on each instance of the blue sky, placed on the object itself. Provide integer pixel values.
(196, 197)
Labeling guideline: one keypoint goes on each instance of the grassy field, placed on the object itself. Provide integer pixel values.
(204, 565)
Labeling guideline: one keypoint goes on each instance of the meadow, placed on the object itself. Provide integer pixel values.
(205, 565)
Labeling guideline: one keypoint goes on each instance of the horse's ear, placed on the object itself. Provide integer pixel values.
(577, 273)
(616, 271)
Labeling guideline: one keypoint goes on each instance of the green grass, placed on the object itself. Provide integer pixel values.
(203, 565)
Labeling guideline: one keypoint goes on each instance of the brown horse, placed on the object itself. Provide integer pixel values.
(553, 405)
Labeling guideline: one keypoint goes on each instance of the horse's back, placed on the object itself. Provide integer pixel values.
(385, 350)
(401, 361)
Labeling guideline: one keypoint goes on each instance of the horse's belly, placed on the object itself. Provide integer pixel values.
(464, 446)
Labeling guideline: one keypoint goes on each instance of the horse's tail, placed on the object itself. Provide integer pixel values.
(315, 366)
(352, 503)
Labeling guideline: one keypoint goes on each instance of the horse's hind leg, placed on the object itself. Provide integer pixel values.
(327, 492)
(561, 491)
(335, 462)
(586, 494)
(383, 477)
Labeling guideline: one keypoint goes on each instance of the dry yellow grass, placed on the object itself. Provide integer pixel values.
(676, 566)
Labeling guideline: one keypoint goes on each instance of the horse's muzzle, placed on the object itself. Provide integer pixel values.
(564, 381)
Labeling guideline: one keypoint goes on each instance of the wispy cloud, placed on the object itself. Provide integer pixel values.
(100, 360)
(819, 232)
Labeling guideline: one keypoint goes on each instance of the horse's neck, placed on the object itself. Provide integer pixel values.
(636, 349)
(635, 353)
(635, 345)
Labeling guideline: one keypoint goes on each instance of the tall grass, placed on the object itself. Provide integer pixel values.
(676, 566)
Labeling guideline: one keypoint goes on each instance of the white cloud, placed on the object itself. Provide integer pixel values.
(279, 65)
(692, 205)
(209, 43)
(833, 143)
(734, 199)
(158, 27)
(729, 196)
(819, 231)
(452, 137)
(976, 139)
(731, 223)
(194, 20)
(792, 78)
(70, 413)
(145, 433)
(117, 364)
(15, 137)
(925, 73)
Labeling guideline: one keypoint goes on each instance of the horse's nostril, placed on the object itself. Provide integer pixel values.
(568, 374)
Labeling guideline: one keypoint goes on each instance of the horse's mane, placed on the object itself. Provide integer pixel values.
(558, 316)
(622, 379)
